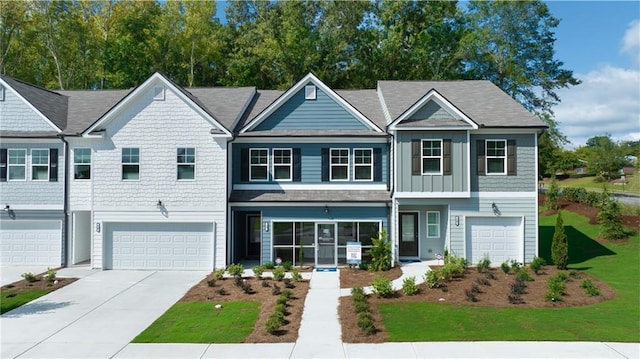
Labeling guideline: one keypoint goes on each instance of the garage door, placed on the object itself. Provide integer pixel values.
(159, 246)
(31, 242)
(499, 238)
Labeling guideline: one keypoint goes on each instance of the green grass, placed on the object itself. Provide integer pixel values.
(617, 320)
(200, 322)
(8, 303)
(632, 186)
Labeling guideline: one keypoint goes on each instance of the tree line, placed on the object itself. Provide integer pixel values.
(103, 44)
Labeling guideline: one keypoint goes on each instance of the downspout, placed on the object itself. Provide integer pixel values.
(65, 201)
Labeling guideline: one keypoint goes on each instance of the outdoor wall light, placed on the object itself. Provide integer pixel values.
(457, 221)
(326, 209)
(265, 226)
(495, 209)
(7, 208)
(159, 204)
(98, 227)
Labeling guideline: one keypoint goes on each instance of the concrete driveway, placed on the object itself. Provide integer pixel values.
(13, 273)
(95, 317)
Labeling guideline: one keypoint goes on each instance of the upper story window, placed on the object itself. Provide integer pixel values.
(363, 164)
(432, 157)
(130, 164)
(82, 163)
(40, 164)
(17, 168)
(186, 162)
(339, 164)
(496, 156)
(258, 164)
(282, 164)
(433, 224)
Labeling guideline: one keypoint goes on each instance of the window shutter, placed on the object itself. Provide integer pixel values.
(377, 165)
(325, 164)
(3, 165)
(244, 164)
(511, 158)
(415, 157)
(446, 157)
(481, 159)
(53, 165)
(297, 165)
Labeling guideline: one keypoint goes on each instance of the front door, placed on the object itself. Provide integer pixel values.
(326, 244)
(254, 234)
(408, 235)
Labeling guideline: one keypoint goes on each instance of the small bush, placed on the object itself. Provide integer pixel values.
(432, 278)
(357, 292)
(278, 273)
(282, 300)
(515, 266)
(611, 218)
(518, 287)
(380, 252)
(552, 296)
(515, 299)
(274, 322)
(295, 275)
(29, 277)
(258, 271)
(483, 281)
(363, 266)
(590, 288)
(235, 270)
(365, 323)
(536, 264)
(490, 275)
(287, 293)
(574, 274)
(559, 244)
(506, 268)
(269, 265)
(238, 281)
(556, 286)
(523, 275)
(219, 273)
(471, 296)
(221, 291)
(288, 284)
(265, 284)
(275, 290)
(211, 282)
(246, 288)
(282, 308)
(361, 306)
(382, 287)
(484, 264)
(287, 265)
(409, 286)
(50, 276)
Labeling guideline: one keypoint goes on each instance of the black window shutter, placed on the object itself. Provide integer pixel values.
(297, 165)
(481, 158)
(244, 164)
(511, 158)
(415, 157)
(3, 165)
(53, 165)
(377, 164)
(325, 164)
(446, 157)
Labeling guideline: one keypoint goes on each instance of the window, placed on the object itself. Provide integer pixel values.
(363, 164)
(186, 162)
(339, 165)
(433, 224)
(432, 157)
(158, 93)
(17, 165)
(258, 164)
(82, 163)
(310, 92)
(130, 164)
(40, 165)
(496, 157)
(282, 164)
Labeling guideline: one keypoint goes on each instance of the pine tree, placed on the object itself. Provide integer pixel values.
(611, 219)
(560, 245)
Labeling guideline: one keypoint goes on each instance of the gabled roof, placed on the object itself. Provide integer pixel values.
(50, 105)
(147, 85)
(85, 106)
(458, 118)
(284, 97)
(226, 104)
(481, 101)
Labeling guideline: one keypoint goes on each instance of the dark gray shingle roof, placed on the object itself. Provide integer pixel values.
(311, 196)
(86, 107)
(480, 100)
(223, 103)
(51, 104)
(367, 103)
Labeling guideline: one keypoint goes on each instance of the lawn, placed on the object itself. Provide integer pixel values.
(617, 320)
(12, 299)
(200, 322)
(632, 186)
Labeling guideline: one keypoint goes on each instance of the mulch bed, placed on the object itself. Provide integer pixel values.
(38, 284)
(630, 220)
(353, 277)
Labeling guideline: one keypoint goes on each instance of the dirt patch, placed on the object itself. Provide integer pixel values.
(38, 284)
(353, 277)
(493, 295)
(260, 293)
(630, 220)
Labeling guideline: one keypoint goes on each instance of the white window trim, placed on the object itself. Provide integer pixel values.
(423, 157)
(122, 164)
(370, 165)
(9, 165)
(2, 92)
(83, 164)
(274, 164)
(437, 224)
(159, 93)
(331, 165)
(487, 157)
(46, 179)
(178, 164)
(310, 92)
(266, 165)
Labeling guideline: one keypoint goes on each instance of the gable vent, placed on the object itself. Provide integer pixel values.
(1, 93)
(158, 93)
(310, 92)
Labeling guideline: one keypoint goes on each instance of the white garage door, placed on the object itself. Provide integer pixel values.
(499, 238)
(159, 246)
(31, 242)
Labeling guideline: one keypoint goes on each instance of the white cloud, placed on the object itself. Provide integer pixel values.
(631, 42)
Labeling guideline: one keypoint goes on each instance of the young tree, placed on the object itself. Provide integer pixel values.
(611, 219)
(560, 245)
(552, 194)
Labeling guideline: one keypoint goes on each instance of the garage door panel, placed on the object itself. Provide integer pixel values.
(31, 242)
(498, 238)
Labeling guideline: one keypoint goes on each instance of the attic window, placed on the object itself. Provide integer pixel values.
(310, 92)
(1, 93)
(158, 93)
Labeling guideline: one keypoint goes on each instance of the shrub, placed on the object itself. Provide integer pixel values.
(235, 270)
(278, 273)
(380, 252)
(269, 265)
(490, 275)
(574, 274)
(238, 281)
(515, 266)
(357, 292)
(611, 218)
(211, 282)
(483, 281)
(551, 296)
(382, 287)
(219, 273)
(590, 288)
(560, 245)
(265, 284)
(258, 271)
(515, 299)
(274, 322)
(518, 287)
(556, 286)
(287, 265)
(475, 289)
(282, 300)
(365, 323)
(409, 286)
(246, 287)
(471, 296)
(432, 278)
(221, 291)
(361, 306)
(282, 308)
(29, 277)
(50, 276)
(505, 267)
(295, 275)
(552, 194)
(484, 264)
(523, 275)
(287, 293)
(275, 290)
(536, 264)
(363, 266)
(288, 284)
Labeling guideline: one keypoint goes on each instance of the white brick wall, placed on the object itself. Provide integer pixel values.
(16, 115)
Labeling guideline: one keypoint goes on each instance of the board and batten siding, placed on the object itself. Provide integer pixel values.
(525, 178)
(456, 182)
(16, 115)
(298, 113)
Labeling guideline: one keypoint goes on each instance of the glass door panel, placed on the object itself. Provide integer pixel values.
(326, 244)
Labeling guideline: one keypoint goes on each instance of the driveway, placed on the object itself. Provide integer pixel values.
(94, 317)
(13, 273)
